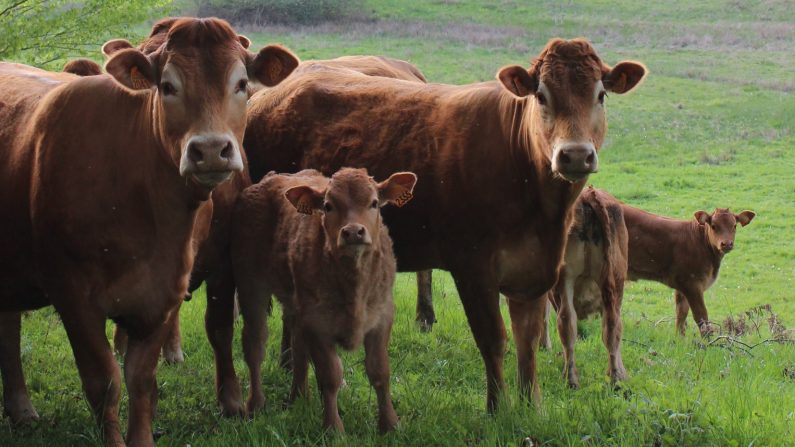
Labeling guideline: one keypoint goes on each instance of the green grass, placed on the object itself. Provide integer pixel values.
(711, 126)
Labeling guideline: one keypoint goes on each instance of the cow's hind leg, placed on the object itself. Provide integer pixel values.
(172, 348)
(218, 322)
(527, 319)
(682, 310)
(546, 342)
(286, 349)
(481, 300)
(612, 328)
(16, 401)
(376, 362)
(426, 316)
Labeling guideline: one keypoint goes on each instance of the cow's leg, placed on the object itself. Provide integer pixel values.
(172, 348)
(426, 317)
(527, 317)
(695, 298)
(254, 299)
(120, 341)
(567, 329)
(99, 371)
(140, 365)
(16, 401)
(682, 310)
(286, 350)
(218, 322)
(376, 362)
(299, 360)
(546, 342)
(481, 300)
(328, 371)
(612, 328)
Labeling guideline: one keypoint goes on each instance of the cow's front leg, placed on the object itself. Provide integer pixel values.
(16, 401)
(376, 362)
(426, 317)
(527, 318)
(481, 299)
(328, 371)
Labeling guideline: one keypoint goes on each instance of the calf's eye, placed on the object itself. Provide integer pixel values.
(327, 207)
(168, 89)
(241, 86)
(374, 204)
(602, 96)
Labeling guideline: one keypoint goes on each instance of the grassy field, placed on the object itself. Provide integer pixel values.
(712, 126)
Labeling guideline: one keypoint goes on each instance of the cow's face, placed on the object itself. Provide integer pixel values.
(199, 75)
(569, 84)
(351, 207)
(721, 225)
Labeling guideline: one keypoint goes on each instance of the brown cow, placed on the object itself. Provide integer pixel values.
(82, 67)
(592, 279)
(682, 254)
(101, 180)
(333, 272)
(501, 162)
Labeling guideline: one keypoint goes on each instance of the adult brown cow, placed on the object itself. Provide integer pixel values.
(685, 255)
(101, 179)
(501, 164)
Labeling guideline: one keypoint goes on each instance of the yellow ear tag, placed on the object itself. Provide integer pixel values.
(275, 69)
(303, 207)
(404, 198)
(138, 81)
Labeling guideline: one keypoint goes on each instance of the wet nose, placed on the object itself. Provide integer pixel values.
(354, 234)
(575, 160)
(727, 245)
(210, 154)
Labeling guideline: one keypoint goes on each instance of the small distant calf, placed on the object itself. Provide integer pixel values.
(682, 254)
(592, 279)
(327, 256)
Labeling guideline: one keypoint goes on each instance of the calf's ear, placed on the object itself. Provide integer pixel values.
(305, 199)
(624, 76)
(132, 69)
(114, 46)
(245, 41)
(745, 217)
(702, 217)
(518, 80)
(397, 189)
(271, 65)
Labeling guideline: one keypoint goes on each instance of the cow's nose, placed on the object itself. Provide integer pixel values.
(353, 234)
(727, 246)
(209, 156)
(574, 161)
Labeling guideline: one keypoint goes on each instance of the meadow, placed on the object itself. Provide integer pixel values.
(713, 125)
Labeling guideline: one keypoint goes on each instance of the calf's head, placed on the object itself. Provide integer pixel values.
(197, 71)
(566, 119)
(721, 225)
(351, 207)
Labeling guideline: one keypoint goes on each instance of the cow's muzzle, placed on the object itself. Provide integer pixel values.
(575, 161)
(210, 159)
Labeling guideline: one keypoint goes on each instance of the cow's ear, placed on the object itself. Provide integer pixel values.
(245, 41)
(745, 217)
(518, 80)
(702, 217)
(397, 189)
(132, 69)
(272, 64)
(624, 76)
(114, 46)
(305, 199)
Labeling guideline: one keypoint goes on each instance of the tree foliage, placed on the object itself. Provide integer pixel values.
(46, 32)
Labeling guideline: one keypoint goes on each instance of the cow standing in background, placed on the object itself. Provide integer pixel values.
(101, 180)
(325, 253)
(501, 165)
(685, 255)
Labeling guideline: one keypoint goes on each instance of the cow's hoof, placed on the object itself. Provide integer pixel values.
(254, 405)
(425, 325)
(173, 356)
(21, 412)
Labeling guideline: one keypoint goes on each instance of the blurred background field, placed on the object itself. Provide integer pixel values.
(712, 126)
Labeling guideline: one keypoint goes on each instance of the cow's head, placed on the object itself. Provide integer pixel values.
(569, 84)
(197, 71)
(351, 207)
(721, 225)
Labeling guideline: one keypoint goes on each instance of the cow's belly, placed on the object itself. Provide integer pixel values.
(525, 267)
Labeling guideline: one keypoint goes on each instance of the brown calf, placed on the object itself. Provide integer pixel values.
(502, 164)
(592, 279)
(682, 254)
(170, 127)
(332, 271)
(82, 67)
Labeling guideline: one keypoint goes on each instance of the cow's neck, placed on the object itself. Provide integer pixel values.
(714, 255)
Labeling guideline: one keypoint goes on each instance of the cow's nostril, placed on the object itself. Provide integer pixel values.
(360, 232)
(345, 233)
(589, 159)
(565, 159)
(194, 154)
(226, 152)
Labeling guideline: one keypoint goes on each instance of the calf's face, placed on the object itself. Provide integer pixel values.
(351, 207)
(570, 83)
(199, 74)
(721, 226)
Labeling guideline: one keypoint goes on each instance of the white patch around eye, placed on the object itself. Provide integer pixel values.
(172, 76)
(236, 74)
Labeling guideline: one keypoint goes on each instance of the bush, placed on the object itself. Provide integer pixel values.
(261, 12)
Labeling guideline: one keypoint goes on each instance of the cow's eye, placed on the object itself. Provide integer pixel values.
(241, 86)
(374, 204)
(602, 96)
(327, 207)
(542, 100)
(168, 88)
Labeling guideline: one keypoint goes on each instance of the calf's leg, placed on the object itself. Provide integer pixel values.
(567, 329)
(612, 328)
(682, 310)
(16, 401)
(376, 362)
(527, 319)
(254, 299)
(426, 317)
(328, 371)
